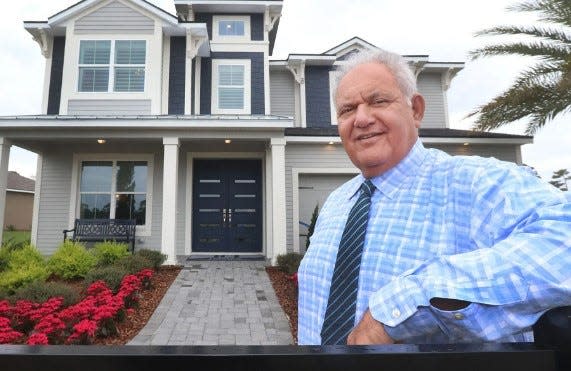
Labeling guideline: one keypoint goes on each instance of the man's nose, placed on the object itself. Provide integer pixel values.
(363, 116)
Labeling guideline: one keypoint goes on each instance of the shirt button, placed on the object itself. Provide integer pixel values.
(396, 313)
(458, 316)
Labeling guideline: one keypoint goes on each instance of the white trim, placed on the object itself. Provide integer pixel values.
(197, 70)
(188, 94)
(190, 156)
(246, 63)
(169, 201)
(143, 231)
(5, 145)
(37, 200)
(267, 99)
(165, 75)
(332, 98)
(47, 78)
(295, 172)
(250, 46)
(216, 19)
(279, 208)
(462, 140)
(294, 139)
(19, 191)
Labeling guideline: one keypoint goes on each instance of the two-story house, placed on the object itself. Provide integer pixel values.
(185, 124)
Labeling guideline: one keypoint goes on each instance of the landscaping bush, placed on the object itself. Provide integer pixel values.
(134, 263)
(289, 262)
(111, 275)
(24, 265)
(40, 292)
(108, 252)
(156, 257)
(71, 260)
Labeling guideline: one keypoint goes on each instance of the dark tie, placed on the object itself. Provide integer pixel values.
(340, 312)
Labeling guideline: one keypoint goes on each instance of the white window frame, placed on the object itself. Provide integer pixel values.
(246, 63)
(74, 212)
(111, 66)
(231, 38)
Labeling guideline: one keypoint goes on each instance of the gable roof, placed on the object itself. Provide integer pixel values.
(16, 182)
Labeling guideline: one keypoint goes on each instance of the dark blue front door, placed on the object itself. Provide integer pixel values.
(227, 206)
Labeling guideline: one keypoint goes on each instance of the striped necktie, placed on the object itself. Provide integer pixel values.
(340, 313)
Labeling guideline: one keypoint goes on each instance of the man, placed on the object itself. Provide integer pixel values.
(454, 249)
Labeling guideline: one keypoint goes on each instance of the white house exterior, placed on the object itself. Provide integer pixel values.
(185, 124)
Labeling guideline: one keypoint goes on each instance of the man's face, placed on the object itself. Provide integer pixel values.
(376, 123)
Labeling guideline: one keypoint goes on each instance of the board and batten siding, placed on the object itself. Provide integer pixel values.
(309, 156)
(114, 18)
(109, 107)
(430, 87)
(53, 210)
(282, 94)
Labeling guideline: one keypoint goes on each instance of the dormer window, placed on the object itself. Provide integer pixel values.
(231, 28)
(112, 65)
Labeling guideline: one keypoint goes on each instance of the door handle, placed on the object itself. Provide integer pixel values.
(229, 217)
(223, 215)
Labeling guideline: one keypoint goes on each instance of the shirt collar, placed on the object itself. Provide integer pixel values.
(394, 179)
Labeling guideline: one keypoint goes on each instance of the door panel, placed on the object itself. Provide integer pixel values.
(227, 214)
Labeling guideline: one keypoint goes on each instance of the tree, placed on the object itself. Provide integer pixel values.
(560, 179)
(311, 227)
(543, 91)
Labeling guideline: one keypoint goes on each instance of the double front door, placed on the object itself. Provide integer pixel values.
(227, 206)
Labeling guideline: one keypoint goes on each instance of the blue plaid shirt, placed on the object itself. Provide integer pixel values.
(467, 228)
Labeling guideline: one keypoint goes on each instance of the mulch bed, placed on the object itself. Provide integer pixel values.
(286, 291)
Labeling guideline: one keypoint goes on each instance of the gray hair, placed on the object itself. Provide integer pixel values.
(395, 63)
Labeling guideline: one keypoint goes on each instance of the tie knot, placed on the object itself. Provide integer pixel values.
(368, 187)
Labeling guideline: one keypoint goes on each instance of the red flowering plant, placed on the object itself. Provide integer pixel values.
(95, 315)
(145, 276)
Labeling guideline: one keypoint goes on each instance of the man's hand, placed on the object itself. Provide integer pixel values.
(369, 331)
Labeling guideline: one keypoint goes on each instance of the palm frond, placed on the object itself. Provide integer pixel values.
(543, 50)
(534, 31)
(552, 11)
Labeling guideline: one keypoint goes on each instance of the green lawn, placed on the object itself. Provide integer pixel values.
(16, 236)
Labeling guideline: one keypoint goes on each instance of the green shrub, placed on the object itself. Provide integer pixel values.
(134, 263)
(111, 275)
(156, 257)
(39, 292)
(289, 262)
(24, 265)
(108, 252)
(71, 260)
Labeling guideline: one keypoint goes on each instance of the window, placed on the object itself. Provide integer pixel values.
(114, 189)
(112, 65)
(230, 28)
(231, 86)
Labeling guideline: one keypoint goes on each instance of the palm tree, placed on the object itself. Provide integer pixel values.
(543, 91)
(560, 178)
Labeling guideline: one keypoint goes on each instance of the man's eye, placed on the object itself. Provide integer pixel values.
(344, 110)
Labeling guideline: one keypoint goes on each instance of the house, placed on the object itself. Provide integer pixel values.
(19, 202)
(185, 124)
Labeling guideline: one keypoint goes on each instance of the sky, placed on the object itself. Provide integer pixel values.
(442, 29)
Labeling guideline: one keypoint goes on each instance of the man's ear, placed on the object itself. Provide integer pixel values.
(418, 106)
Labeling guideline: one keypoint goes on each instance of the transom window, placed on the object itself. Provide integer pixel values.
(231, 28)
(114, 190)
(112, 65)
(231, 86)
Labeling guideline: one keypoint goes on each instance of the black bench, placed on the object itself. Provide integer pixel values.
(97, 230)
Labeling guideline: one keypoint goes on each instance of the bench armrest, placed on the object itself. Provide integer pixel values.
(66, 231)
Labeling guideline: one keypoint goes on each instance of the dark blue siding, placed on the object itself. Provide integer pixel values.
(54, 92)
(257, 80)
(176, 75)
(318, 106)
(205, 18)
(257, 27)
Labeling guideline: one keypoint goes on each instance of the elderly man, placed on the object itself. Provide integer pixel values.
(422, 247)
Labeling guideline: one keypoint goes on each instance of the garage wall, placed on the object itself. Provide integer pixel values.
(316, 157)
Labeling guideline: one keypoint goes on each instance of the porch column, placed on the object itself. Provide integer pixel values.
(278, 198)
(4, 159)
(170, 187)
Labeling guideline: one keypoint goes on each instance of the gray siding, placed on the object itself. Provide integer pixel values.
(177, 75)
(56, 72)
(318, 105)
(309, 156)
(282, 93)
(115, 18)
(430, 86)
(109, 107)
(257, 98)
(54, 200)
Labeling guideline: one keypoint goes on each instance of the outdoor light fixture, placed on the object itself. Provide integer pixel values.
(466, 144)
(227, 141)
(101, 141)
(331, 142)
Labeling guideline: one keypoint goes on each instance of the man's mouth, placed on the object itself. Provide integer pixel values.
(368, 136)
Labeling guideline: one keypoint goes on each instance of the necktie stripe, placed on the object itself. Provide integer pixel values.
(340, 312)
